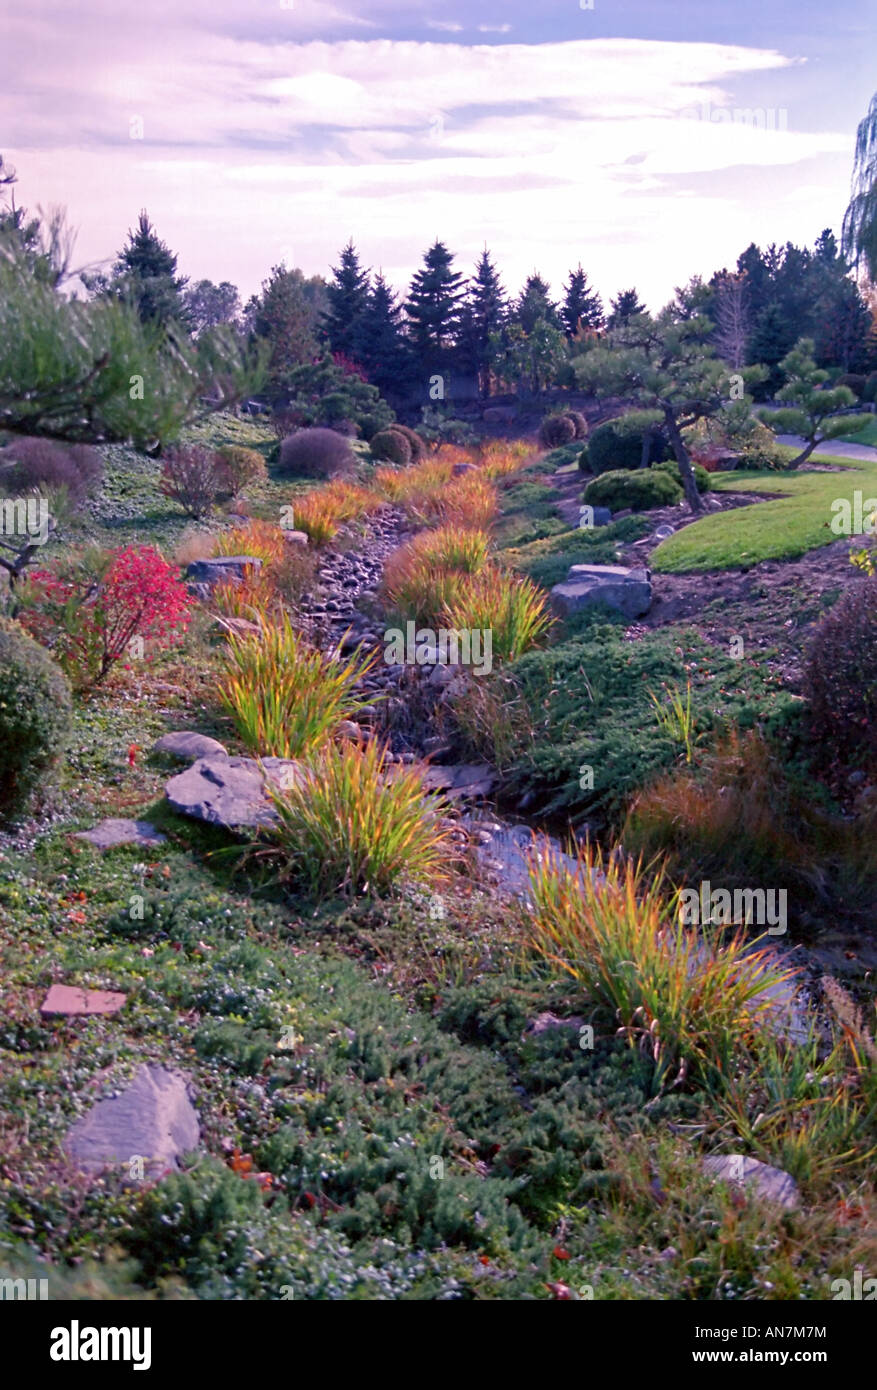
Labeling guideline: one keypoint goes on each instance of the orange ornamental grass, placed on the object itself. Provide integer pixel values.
(420, 578)
(468, 501)
(502, 456)
(510, 606)
(262, 539)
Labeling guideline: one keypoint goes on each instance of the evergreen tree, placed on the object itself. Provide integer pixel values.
(383, 352)
(625, 306)
(348, 296)
(582, 307)
(287, 315)
(772, 337)
(534, 305)
(484, 312)
(433, 307)
(145, 274)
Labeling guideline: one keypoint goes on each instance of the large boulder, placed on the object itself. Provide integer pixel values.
(152, 1119)
(767, 1183)
(231, 792)
(188, 746)
(629, 591)
(222, 569)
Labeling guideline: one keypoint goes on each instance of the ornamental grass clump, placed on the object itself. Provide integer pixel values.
(420, 578)
(355, 823)
(694, 1001)
(285, 696)
(510, 606)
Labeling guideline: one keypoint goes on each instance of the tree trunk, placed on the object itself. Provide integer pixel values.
(692, 496)
(803, 456)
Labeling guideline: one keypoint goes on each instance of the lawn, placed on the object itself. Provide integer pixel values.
(797, 521)
(868, 435)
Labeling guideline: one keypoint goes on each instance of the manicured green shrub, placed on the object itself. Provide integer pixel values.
(556, 430)
(639, 489)
(391, 446)
(870, 392)
(855, 381)
(35, 718)
(580, 423)
(417, 446)
(701, 476)
(316, 453)
(618, 443)
(840, 678)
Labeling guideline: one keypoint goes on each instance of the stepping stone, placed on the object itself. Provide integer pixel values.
(629, 591)
(109, 833)
(75, 1002)
(152, 1119)
(230, 792)
(189, 747)
(770, 1184)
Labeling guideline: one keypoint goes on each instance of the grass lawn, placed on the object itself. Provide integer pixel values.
(868, 435)
(797, 521)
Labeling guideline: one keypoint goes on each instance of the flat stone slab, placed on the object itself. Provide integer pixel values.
(75, 1002)
(231, 792)
(151, 1119)
(189, 747)
(464, 780)
(109, 833)
(770, 1184)
(222, 569)
(627, 590)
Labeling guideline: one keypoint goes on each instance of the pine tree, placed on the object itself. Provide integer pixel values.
(772, 337)
(383, 352)
(433, 307)
(145, 273)
(625, 306)
(348, 296)
(582, 307)
(484, 312)
(535, 305)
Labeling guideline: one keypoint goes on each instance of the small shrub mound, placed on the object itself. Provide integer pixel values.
(236, 468)
(35, 717)
(359, 824)
(618, 443)
(315, 453)
(640, 489)
(840, 678)
(391, 446)
(417, 446)
(701, 476)
(44, 466)
(285, 696)
(189, 476)
(579, 422)
(556, 430)
(855, 381)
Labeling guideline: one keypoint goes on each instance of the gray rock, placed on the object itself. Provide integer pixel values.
(627, 590)
(496, 414)
(460, 469)
(188, 747)
(770, 1184)
(296, 537)
(109, 833)
(222, 569)
(230, 792)
(464, 781)
(662, 532)
(152, 1119)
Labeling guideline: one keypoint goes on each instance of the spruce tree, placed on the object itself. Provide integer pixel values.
(484, 312)
(433, 307)
(582, 307)
(535, 305)
(625, 306)
(145, 274)
(383, 352)
(348, 295)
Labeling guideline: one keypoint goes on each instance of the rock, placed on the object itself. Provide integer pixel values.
(463, 781)
(771, 1184)
(856, 778)
(496, 414)
(230, 792)
(460, 469)
(627, 590)
(152, 1119)
(188, 747)
(348, 728)
(296, 537)
(222, 569)
(547, 1022)
(241, 627)
(662, 532)
(109, 833)
(72, 1001)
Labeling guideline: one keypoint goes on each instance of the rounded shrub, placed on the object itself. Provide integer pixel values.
(418, 448)
(556, 430)
(855, 381)
(36, 712)
(316, 453)
(840, 677)
(640, 489)
(390, 446)
(236, 467)
(43, 465)
(701, 476)
(618, 443)
(870, 392)
(580, 423)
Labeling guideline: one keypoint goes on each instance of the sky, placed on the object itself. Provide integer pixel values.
(649, 140)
